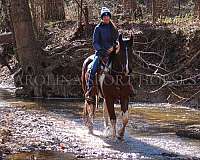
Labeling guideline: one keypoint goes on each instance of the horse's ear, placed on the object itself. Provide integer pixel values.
(120, 38)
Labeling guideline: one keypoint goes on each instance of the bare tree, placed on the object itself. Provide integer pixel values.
(5, 15)
(54, 10)
(37, 10)
(159, 9)
(28, 50)
(197, 8)
(154, 10)
(130, 6)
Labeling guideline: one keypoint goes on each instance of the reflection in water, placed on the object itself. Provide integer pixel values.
(48, 155)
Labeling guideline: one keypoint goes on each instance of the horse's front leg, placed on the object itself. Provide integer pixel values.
(124, 114)
(110, 108)
(105, 115)
(106, 120)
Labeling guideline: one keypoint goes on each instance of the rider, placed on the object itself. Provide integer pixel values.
(105, 40)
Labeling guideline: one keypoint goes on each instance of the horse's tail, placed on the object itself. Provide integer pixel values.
(84, 71)
(83, 80)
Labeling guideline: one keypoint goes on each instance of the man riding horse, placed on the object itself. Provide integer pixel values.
(105, 41)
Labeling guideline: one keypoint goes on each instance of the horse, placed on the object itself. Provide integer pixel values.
(112, 85)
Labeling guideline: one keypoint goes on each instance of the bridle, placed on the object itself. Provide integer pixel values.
(125, 69)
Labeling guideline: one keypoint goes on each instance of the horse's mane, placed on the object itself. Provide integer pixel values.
(119, 59)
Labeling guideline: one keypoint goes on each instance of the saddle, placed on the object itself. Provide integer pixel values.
(104, 67)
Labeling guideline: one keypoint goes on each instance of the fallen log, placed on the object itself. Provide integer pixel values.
(192, 131)
(6, 38)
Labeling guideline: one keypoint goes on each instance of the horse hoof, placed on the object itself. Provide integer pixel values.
(120, 135)
(107, 132)
(90, 128)
(121, 138)
(114, 139)
(90, 132)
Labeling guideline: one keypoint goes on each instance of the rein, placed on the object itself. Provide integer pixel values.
(126, 66)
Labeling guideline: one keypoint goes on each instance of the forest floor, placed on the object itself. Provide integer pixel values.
(159, 50)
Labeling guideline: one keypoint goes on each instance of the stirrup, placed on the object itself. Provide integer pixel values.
(89, 99)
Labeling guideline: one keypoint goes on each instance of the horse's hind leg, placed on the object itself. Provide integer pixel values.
(124, 114)
(89, 111)
(85, 113)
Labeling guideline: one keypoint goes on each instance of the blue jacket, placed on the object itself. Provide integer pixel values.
(104, 37)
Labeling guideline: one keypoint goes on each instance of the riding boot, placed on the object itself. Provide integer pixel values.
(88, 94)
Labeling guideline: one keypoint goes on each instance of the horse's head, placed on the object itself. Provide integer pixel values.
(124, 55)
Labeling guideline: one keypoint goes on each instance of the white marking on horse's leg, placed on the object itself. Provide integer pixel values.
(125, 122)
(86, 113)
(105, 115)
(97, 101)
(125, 117)
(113, 123)
(90, 118)
(107, 129)
(101, 79)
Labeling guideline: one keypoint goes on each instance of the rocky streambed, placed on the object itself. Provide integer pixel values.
(53, 129)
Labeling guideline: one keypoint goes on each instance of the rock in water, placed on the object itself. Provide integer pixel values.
(192, 131)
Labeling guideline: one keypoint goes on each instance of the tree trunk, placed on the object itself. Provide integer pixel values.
(54, 10)
(7, 23)
(32, 4)
(129, 6)
(81, 14)
(154, 10)
(179, 7)
(198, 10)
(28, 50)
(159, 9)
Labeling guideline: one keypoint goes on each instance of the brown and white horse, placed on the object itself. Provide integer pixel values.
(112, 85)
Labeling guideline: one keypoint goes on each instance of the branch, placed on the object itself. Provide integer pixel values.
(180, 97)
(148, 63)
(162, 60)
(184, 65)
(165, 84)
(143, 52)
(191, 97)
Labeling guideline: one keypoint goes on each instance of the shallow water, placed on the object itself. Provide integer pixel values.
(42, 156)
(53, 129)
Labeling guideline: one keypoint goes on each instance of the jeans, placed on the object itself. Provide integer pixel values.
(93, 67)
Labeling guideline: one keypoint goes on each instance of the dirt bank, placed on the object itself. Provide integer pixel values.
(165, 61)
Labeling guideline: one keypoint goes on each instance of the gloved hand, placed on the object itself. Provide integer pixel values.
(110, 50)
(101, 52)
(116, 47)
